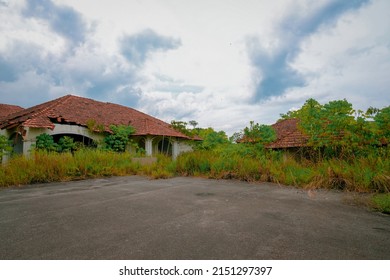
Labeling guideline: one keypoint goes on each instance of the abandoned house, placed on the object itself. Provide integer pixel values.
(84, 120)
(288, 136)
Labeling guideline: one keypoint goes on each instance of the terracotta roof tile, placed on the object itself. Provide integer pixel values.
(6, 109)
(288, 135)
(77, 110)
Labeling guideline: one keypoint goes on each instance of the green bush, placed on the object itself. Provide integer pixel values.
(5, 146)
(45, 142)
(119, 138)
(382, 202)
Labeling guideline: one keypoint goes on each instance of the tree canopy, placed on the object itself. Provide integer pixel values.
(339, 129)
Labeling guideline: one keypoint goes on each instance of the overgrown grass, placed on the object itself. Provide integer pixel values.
(382, 202)
(243, 162)
(368, 175)
(43, 167)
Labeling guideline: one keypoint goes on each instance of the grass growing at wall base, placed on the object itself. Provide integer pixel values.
(363, 175)
(44, 167)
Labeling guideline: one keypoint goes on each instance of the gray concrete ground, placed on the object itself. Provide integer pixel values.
(185, 218)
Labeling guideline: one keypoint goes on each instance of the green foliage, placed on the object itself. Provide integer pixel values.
(236, 137)
(211, 138)
(119, 138)
(261, 134)
(336, 130)
(5, 146)
(193, 123)
(45, 142)
(93, 126)
(349, 146)
(382, 202)
(246, 162)
(66, 144)
(310, 110)
(382, 122)
(44, 167)
(194, 163)
(181, 127)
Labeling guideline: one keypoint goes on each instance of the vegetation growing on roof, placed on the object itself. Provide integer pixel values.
(335, 129)
(93, 126)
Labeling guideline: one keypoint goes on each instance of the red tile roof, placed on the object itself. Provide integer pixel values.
(6, 109)
(288, 135)
(80, 111)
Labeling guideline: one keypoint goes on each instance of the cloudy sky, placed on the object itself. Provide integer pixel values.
(219, 62)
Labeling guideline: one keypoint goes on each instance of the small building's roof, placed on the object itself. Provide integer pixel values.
(81, 111)
(288, 135)
(6, 109)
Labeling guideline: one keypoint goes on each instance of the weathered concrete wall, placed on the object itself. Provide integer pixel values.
(151, 142)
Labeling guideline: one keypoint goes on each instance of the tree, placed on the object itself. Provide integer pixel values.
(382, 122)
(211, 138)
(193, 123)
(66, 144)
(336, 128)
(119, 138)
(261, 134)
(236, 137)
(45, 142)
(181, 127)
(310, 109)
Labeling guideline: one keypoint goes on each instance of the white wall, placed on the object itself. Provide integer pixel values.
(179, 146)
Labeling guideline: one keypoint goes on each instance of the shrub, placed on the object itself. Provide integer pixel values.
(5, 146)
(45, 142)
(118, 140)
(66, 144)
(382, 202)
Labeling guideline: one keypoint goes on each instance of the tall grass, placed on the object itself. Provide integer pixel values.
(42, 167)
(243, 162)
(369, 174)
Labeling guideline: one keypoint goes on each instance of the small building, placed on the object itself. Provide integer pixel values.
(288, 135)
(87, 121)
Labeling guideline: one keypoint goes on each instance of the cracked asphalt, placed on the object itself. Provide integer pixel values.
(185, 218)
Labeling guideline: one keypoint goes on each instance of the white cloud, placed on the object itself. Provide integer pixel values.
(206, 69)
(350, 60)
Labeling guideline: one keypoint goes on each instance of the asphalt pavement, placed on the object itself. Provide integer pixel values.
(185, 218)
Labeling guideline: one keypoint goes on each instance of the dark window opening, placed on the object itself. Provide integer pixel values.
(165, 147)
(86, 141)
(17, 143)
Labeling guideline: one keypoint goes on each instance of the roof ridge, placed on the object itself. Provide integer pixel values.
(66, 108)
(36, 110)
(52, 104)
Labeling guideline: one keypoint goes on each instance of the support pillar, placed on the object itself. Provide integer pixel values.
(175, 149)
(149, 146)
